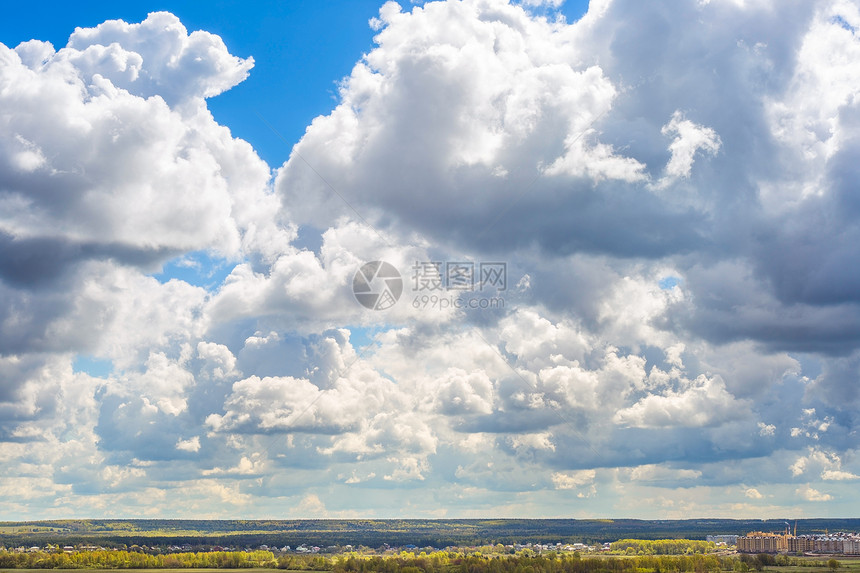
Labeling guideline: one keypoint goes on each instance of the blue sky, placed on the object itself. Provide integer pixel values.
(301, 51)
(675, 335)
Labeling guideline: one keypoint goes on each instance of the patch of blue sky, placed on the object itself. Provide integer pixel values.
(670, 282)
(198, 268)
(361, 337)
(95, 367)
(572, 10)
(839, 20)
(810, 365)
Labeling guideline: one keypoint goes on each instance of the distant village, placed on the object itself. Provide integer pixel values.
(384, 549)
(840, 543)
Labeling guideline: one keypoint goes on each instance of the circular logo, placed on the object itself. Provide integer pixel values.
(377, 285)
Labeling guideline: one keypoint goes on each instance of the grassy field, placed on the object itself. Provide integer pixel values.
(846, 565)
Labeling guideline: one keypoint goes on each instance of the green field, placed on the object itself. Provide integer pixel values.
(846, 565)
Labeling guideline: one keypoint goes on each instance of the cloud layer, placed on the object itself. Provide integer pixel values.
(670, 186)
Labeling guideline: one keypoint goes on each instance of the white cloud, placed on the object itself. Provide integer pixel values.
(407, 469)
(311, 506)
(812, 426)
(826, 463)
(573, 480)
(753, 493)
(674, 300)
(659, 473)
(553, 3)
(130, 168)
(190, 445)
(838, 475)
(155, 57)
(538, 441)
(689, 139)
(810, 494)
(247, 466)
(703, 403)
(460, 392)
(355, 478)
(220, 362)
(499, 92)
(766, 429)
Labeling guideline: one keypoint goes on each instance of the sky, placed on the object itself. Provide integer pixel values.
(461, 258)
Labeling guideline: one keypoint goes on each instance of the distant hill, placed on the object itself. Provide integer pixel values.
(374, 533)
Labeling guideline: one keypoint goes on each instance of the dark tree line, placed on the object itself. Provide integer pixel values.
(373, 533)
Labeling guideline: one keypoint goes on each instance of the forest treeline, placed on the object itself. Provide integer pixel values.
(199, 534)
(137, 560)
(567, 563)
(661, 546)
(435, 562)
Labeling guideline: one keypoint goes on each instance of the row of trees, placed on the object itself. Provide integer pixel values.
(762, 560)
(661, 546)
(134, 560)
(435, 562)
(450, 563)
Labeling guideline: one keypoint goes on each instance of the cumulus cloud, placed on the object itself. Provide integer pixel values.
(811, 494)
(811, 425)
(830, 475)
(826, 463)
(703, 403)
(110, 164)
(311, 506)
(538, 441)
(682, 306)
(463, 393)
(95, 169)
(573, 480)
(766, 429)
(105, 176)
(753, 493)
(656, 474)
(157, 57)
(500, 99)
(189, 445)
(689, 139)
